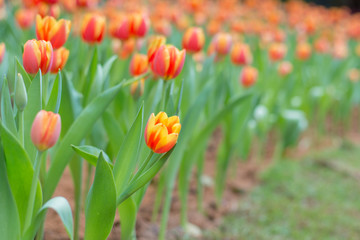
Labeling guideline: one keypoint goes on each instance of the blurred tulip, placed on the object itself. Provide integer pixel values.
(248, 76)
(277, 51)
(2, 52)
(30, 3)
(86, 3)
(45, 130)
(21, 98)
(25, 17)
(222, 43)
(93, 28)
(168, 62)
(38, 54)
(354, 75)
(357, 50)
(48, 29)
(321, 45)
(126, 48)
(162, 132)
(241, 54)
(154, 44)
(139, 24)
(120, 27)
(60, 58)
(137, 88)
(162, 27)
(50, 1)
(138, 64)
(340, 49)
(193, 40)
(303, 50)
(285, 68)
(45, 9)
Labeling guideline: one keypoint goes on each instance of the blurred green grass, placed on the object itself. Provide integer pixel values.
(300, 199)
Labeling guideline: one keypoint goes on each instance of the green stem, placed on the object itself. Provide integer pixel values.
(142, 167)
(30, 207)
(21, 127)
(88, 180)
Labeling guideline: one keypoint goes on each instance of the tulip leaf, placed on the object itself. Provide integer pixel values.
(25, 75)
(20, 173)
(127, 212)
(126, 160)
(100, 203)
(33, 106)
(7, 114)
(114, 132)
(9, 216)
(91, 73)
(77, 131)
(55, 97)
(91, 154)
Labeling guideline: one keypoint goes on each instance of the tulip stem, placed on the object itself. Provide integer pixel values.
(21, 127)
(30, 208)
(142, 166)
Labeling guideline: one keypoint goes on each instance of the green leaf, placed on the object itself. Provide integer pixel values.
(100, 203)
(33, 106)
(127, 157)
(127, 212)
(7, 114)
(25, 75)
(55, 96)
(115, 134)
(77, 131)
(20, 172)
(91, 73)
(9, 216)
(91, 154)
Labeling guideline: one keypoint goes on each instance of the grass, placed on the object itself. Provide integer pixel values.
(300, 200)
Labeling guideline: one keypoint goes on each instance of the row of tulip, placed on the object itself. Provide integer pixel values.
(283, 85)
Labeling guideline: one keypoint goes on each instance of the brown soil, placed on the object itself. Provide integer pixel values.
(244, 178)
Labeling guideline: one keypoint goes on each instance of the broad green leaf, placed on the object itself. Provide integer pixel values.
(55, 97)
(25, 75)
(127, 157)
(9, 216)
(100, 203)
(20, 173)
(127, 212)
(7, 114)
(115, 134)
(77, 131)
(91, 154)
(91, 73)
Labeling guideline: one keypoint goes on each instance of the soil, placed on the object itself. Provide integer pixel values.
(242, 180)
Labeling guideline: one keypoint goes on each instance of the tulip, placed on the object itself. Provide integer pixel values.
(38, 54)
(354, 75)
(168, 62)
(193, 40)
(93, 28)
(2, 52)
(241, 54)
(49, 29)
(161, 132)
(162, 26)
(45, 130)
(322, 45)
(285, 68)
(138, 64)
(120, 28)
(248, 76)
(277, 51)
(50, 1)
(154, 45)
(49, 10)
(139, 25)
(20, 93)
(303, 50)
(222, 43)
(25, 18)
(60, 58)
(124, 49)
(137, 88)
(86, 3)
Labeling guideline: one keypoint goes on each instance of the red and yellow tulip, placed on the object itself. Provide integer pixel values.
(248, 76)
(241, 54)
(38, 54)
(154, 44)
(60, 58)
(285, 68)
(277, 51)
(93, 28)
(48, 29)
(138, 64)
(2, 52)
(193, 40)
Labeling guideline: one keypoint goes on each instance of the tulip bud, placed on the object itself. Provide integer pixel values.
(193, 40)
(60, 58)
(285, 68)
(139, 25)
(154, 45)
(138, 64)
(248, 76)
(2, 52)
(93, 28)
(241, 54)
(277, 51)
(161, 132)
(38, 54)
(168, 62)
(45, 130)
(20, 93)
(303, 50)
(49, 29)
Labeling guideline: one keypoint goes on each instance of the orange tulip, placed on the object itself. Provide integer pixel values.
(162, 132)
(93, 28)
(248, 76)
(137, 88)
(277, 51)
(139, 24)
(222, 43)
(45, 130)
(285, 68)
(162, 26)
(241, 54)
(193, 40)
(120, 27)
(2, 52)
(48, 29)
(45, 9)
(303, 50)
(321, 45)
(354, 75)
(138, 64)
(86, 3)
(60, 58)
(154, 45)
(38, 54)
(25, 18)
(168, 62)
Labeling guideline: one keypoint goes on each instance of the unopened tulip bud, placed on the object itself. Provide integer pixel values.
(45, 130)
(2, 52)
(193, 40)
(168, 62)
(248, 76)
(60, 58)
(241, 54)
(38, 54)
(162, 132)
(93, 28)
(138, 64)
(155, 43)
(285, 68)
(56, 32)
(20, 93)
(139, 25)
(277, 51)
